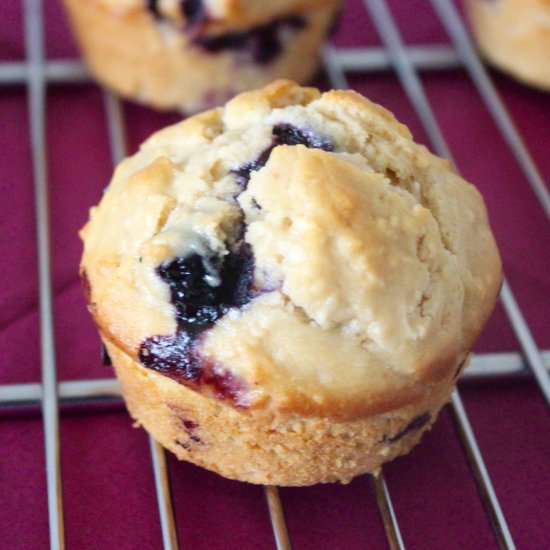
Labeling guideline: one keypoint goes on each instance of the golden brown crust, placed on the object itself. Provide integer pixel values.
(156, 62)
(267, 447)
(514, 35)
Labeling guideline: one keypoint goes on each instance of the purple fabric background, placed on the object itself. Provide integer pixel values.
(109, 494)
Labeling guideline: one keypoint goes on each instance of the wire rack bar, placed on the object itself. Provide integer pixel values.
(333, 69)
(12, 394)
(487, 366)
(162, 486)
(528, 344)
(14, 73)
(389, 34)
(385, 506)
(429, 57)
(457, 31)
(410, 80)
(116, 127)
(479, 471)
(34, 45)
(277, 516)
(117, 138)
(432, 57)
(492, 365)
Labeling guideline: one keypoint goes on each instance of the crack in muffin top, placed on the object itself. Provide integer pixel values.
(374, 267)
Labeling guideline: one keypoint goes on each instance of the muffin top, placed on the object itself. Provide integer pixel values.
(294, 251)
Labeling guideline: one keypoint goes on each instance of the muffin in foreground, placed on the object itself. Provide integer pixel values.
(195, 54)
(288, 287)
(514, 35)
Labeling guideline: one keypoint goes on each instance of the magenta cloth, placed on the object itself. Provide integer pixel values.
(109, 493)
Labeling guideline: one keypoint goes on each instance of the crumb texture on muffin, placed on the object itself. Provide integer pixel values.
(292, 252)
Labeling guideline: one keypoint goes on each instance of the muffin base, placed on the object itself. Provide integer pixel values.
(265, 446)
(152, 62)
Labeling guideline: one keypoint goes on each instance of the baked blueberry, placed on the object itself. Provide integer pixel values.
(202, 289)
(198, 301)
(283, 134)
(193, 10)
(172, 355)
(287, 134)
(195, 301)
(264, 42)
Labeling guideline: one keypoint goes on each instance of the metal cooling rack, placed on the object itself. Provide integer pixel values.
(37, 72)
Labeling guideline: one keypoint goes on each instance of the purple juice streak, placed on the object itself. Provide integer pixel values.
(86, 287)
(225, 384)
(415, 424)
(105, 357)
(177, 357)
(189, 424)
(458, 370)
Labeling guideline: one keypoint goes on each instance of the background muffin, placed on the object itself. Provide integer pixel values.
(289, 286)
(514, 35)
(196, 54)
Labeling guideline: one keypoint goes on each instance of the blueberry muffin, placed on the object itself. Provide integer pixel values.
(514, 35)
(288, 287)
(195, 54)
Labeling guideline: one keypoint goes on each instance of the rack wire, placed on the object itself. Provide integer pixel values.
(407, 61)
